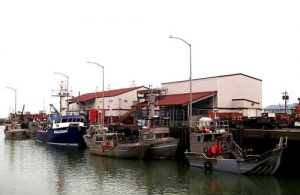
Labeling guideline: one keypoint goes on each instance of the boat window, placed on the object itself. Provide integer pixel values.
(208, 138)
(218, 136)
(198, 138)
(70, 120)
(159, 136)
(99, 139)
(64, 120)
(228, 138)
(149, 136)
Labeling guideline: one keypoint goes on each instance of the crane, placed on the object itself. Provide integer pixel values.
(51, 105)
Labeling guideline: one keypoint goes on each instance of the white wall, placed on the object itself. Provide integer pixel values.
(198, 85)
(228, 87)
(117, 105)
(239, 87)
(113, 104)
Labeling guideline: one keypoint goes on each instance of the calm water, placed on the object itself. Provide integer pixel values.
(29, 168)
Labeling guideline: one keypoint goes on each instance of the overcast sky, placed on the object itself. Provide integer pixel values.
(131, 40)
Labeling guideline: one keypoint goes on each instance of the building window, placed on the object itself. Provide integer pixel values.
(110, 101)
(125, 101)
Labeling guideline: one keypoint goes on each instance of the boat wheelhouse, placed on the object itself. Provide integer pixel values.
(162, 144)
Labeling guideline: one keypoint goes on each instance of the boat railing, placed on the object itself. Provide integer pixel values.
(128, 140)
(222, 124)
(196, 154)
(237, 149)
(207, 124)
(281, 144)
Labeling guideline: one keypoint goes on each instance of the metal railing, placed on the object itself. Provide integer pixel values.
(237, 149)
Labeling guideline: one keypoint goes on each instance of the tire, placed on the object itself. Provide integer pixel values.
(208, 165)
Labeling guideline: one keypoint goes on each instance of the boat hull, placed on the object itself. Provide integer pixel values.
(16, 134)
(126, 150)
(121, 151)
(265, 164)
(68, 136)
(88, 140)
(164, 148)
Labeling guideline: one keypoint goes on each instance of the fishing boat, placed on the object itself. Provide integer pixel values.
(15, 132)
(93, 129)
(16, 126)
(66, 130)
(162, 145)
(213, 148)
(156, 131)
(111, 144)
(62, 128)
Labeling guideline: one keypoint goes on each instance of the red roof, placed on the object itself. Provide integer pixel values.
(110, 93)
(183, 99)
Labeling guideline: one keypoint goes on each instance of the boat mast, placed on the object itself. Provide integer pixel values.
(63, 94)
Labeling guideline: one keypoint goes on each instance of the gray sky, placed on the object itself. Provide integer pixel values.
(131, 40)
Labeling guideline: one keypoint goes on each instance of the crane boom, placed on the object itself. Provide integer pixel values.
(51, 105)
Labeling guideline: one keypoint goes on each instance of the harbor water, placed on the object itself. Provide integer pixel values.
(29, 168)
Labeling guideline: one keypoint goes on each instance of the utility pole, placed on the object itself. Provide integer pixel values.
(285, 97)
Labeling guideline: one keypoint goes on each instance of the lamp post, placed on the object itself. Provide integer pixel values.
(67, 86)
(102, 88)
(15, 98)
(190, 108)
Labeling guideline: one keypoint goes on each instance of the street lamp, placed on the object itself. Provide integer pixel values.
(67, 86)
(15, 98)
(102, 88)
(190, 108)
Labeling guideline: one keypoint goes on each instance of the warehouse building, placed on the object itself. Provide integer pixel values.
(224, 96)
(233, 93)
(116, 103)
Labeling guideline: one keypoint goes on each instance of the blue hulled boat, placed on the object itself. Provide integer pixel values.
(66, 130)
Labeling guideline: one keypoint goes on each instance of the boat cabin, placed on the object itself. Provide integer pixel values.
(211, 144)
(110, 139)
(155, 133)
(68, 120)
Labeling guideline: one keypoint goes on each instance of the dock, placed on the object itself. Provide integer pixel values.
(293, 134)
(261, 140)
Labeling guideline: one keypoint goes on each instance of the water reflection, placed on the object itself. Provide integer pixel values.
(137, 176)
(31, 168)
(202, 182)
(67, 167)
(171, 177)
